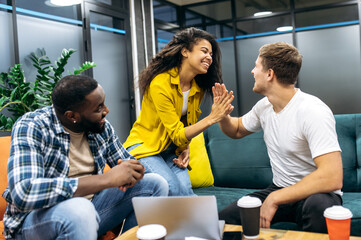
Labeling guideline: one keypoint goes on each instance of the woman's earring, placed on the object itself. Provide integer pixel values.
(74, 121)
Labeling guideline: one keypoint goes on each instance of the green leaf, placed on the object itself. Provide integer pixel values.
(84, 67)
(3, 101)
(19, 96)
(13, 94)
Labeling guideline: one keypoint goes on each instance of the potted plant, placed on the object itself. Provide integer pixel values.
(17, 96)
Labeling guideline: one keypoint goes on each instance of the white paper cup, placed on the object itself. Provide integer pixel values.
(152, 232)
(250, 214)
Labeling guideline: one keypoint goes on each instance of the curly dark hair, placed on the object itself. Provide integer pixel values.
(170, 56)
(70, 92)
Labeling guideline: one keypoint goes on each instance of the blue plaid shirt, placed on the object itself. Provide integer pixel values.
(38, 164)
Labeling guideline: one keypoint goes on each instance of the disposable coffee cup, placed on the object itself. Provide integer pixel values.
(152, 232)
(250, 214)
(338, 221)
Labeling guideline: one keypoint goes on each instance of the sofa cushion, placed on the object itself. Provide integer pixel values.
(4, 155)
(201, 173)
(2, 237)
(352, 201)
(242, 163)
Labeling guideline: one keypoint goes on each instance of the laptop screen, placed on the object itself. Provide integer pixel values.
(195, 216)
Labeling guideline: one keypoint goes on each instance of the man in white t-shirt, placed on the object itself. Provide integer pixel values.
(299, 131)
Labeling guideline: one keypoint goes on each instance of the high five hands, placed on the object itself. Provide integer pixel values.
(221, 102)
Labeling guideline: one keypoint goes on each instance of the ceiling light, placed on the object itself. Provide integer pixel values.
(65, 2)
(284, 29)
(257, 14)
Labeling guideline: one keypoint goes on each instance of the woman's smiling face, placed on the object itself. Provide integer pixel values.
(200, 57)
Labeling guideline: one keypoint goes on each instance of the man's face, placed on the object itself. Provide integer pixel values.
(94, 111)
(260, 76)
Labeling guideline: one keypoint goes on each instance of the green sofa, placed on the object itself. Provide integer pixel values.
(241, 166)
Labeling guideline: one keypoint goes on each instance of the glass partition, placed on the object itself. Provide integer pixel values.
(53, 36)
(218, 11)
(109, 51)
(249, 8)
(327, 16)
(331, 67)
(263, 25)
(229, 71)
(7, 41)
(247, 55)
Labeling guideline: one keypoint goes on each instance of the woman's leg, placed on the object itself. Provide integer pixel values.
(178, 179)
(182, 174)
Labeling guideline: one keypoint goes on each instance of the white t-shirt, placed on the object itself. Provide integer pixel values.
(185, 102)
(303, 130)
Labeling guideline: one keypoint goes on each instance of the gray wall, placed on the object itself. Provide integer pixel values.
(247, 55)
(111, 73)
(229, 71)
(331, 67)
(6, 42)
(53, 36)
(109, 53)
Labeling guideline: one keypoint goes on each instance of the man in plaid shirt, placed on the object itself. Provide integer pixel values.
(57, 188)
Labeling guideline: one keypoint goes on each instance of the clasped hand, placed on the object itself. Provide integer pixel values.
(183, 159)
(126, 174)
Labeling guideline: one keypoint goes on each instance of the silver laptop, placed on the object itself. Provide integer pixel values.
(181, 216)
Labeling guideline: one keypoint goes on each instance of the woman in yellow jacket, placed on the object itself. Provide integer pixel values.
(173, 86)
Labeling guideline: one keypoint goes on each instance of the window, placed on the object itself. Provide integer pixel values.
(218, 11)
(192, 19)
(165, 13)
(325, 16)
(46, 10)
(248, 8)
(263, 25)
(314, 3)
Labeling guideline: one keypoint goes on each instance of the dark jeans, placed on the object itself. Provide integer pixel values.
(307, 213)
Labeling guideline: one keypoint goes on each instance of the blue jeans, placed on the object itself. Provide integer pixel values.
(79, 218)
(177, 178)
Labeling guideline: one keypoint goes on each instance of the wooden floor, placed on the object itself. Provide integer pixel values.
(265, 234)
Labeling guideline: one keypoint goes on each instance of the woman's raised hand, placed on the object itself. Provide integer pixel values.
(221, 102)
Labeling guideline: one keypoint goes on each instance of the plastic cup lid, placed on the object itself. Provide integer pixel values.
(151, 231)
(249, 202)
(337, 212)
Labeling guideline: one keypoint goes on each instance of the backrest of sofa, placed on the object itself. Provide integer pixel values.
(348, 127)
(240, 163)
(4, 155)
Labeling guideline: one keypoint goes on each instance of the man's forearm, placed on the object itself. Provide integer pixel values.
(233, 127)
(327, 178)
(90, 185)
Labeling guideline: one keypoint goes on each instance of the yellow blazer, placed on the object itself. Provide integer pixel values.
(159, 123)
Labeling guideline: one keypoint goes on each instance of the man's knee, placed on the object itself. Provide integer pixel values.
(317, 203)
(80, 210)
(313, 208)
